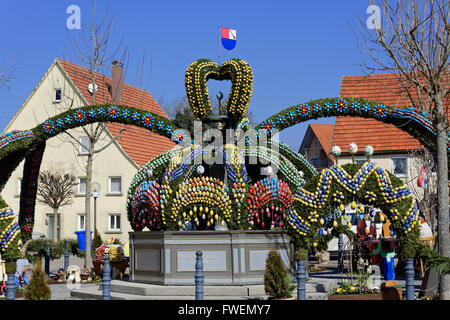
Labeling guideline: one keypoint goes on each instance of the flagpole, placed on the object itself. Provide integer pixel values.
(220, 30)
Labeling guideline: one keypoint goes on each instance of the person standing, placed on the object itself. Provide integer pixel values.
(21, 269)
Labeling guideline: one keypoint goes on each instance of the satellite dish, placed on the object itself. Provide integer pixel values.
(92, 87)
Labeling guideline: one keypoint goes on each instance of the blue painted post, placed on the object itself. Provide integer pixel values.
(199, 278)
(66, 259)
(47, 261)
(11, 287)
(409, 271)
(301, 280)
(106, 280)
(340, 253)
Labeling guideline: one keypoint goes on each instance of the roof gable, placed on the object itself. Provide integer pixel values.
(138, 143)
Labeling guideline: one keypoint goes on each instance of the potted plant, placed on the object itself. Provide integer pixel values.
(277, 283)
(84, 274)
(116, 257)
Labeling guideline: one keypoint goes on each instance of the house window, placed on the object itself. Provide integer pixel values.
(81, 185)
(85, 144)
(81, 221)
(114, 222)
(58, 94)
(400, 166)
(115, 185)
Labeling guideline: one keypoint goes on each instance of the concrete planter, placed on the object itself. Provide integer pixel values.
(229, 257)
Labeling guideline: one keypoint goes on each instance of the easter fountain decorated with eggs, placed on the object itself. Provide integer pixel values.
(237, 196)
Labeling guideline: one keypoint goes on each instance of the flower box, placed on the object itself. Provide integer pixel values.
(369, 296)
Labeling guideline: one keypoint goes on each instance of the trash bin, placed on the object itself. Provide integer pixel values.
(81, 239)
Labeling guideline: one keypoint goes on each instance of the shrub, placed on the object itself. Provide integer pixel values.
(277, 283)
(38, 288)
(38, 248)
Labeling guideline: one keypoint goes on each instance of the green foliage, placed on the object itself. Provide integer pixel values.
(38, 248)
(97, 241)
(38, 288)
(3, 203)
(277, 283)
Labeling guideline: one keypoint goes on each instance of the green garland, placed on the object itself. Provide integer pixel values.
(418, 125)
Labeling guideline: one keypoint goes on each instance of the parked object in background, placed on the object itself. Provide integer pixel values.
(74, 274)
(323, 257)
(391, 290)
(430, 242)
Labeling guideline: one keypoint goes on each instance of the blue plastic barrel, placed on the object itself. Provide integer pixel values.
(81, 239)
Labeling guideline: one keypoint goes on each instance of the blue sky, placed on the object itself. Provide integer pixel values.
(299, 50)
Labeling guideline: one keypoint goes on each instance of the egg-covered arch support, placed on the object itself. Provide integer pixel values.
(30, 144)
(318, 206)
(28, 191)
(417, 124)
(207, 191)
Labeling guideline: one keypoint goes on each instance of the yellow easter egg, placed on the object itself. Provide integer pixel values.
(353, 205)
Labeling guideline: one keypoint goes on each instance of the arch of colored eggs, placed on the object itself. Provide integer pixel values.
(417, 124)
(269, 190)
(9, 231)
(312, 201)
(200, 71)
(200, 190)
(145, 208)
(30, 145)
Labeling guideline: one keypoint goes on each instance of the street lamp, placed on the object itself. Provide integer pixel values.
(95, 194)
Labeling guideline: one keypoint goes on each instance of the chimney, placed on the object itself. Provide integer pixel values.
(117, 83)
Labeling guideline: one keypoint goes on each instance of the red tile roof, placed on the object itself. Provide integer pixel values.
(383, 88)
(324, 133)
(140, 144)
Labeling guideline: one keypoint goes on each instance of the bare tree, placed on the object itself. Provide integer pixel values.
(56, 190)
(97, 49)
(426, 197)
(412, 42)
(6, 73)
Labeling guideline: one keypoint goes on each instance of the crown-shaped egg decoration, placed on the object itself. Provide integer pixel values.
(200, 71)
